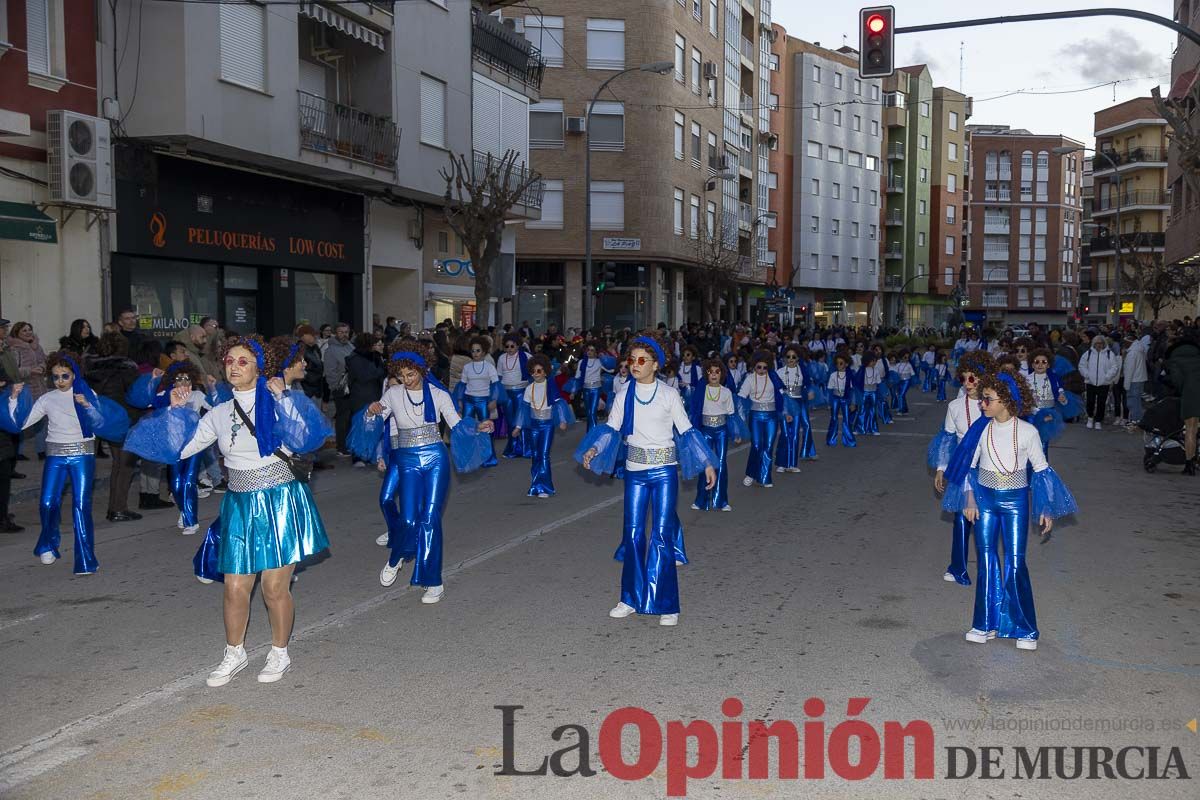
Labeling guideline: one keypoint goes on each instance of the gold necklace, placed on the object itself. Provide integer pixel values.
(709, 396)
(533, 396)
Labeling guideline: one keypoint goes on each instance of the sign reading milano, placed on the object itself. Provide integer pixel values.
(191, 210)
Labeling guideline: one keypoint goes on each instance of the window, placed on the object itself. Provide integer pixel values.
(552, 206)
(837, 80)
(696, 10)
(854, 192)
(924, 108)
(835, 263)
(921, 239)
(874, 197)
(953, 123)
(607, 126)
(713, 16)
(606, 44)
(443, 242)
(546, 125)
(815, 224)
(680, 55)
(835, 155)
(836, 191)
(854, 159)
(952, 151)
(696, 144)
(816, 73)
(433, 108)
(857, 122)
(853, 264)
(546, 34)
(678, 212)
(679, 135)
(924, 142)
(951, 183)
(694, 218)
(710, 217)
(853, 230)
(608, 205)
(1022, 296)
(949, 245)
(774, 102)
(874, 91)
(774, 62)
(858, 87)
(814, 149)
(874, 127)
(816, 187)
(872, 232)
(872, 163)
(835, 227)
(924, 175)
(712, 152)
(837, 117)
(922, 207)
(950, 212)
(815, 112)
(772, 180)
(243, 44)
(814, 261)
(696, 61)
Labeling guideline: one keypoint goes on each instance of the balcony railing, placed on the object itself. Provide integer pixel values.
(995, 255)
(531, 197)
(997, 226)
(894, 100)
(508, 51)
(893, 250)
(1145, 197)
(894, 218)
(329, 127)
(896, 150)
(1137, 155)
(745, 215)
(1129, 241)
(748, 48)
(747, 104)
(893, 281)
(895, 183)
(746, 160)
(997, 274)
(995, 300)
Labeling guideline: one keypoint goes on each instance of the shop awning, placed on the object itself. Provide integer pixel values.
(338, 22)
(24, 223)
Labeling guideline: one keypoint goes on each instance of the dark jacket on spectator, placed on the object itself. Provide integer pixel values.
(367, 370)
(112, 377)
(1183, 371)
(314, 373)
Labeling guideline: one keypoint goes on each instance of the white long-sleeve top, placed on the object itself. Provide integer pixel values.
(1135, 364)
(479, 377)
(839, 383)
(960, 414)
(58, 409)
(1043, 392)
(653, 422)
(722, 405)
(619, 382)
(404, 409)
(929, 358)
(593, 377)
(737, 373)
(1029, 447)
(904, 369)
(1099, 367)
(537, 394)
(240, 451)
(685, 375)
(793, 380)
(509, 369)
(759, 390)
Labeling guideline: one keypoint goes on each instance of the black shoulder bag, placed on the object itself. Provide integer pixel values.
(301, 467)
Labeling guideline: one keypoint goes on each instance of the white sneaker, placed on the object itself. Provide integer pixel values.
(360, 465)
(668, 620)
(949, 578)
(1027, 644)
(621, 610)
(203, 491)
(979, 637)
(191, 529)
(781, 469)
(747, 481)
(1090, 424)
(387, 575)
(381, 539)
(179, 522)
(1097, 424)
(543, 495)
(727, 508)
(278, 663)
(696, 507)
(433, 594)
(205, 581)
(47, 558)
(768, 486)
(234, 662)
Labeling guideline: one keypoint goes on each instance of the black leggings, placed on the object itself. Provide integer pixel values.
(1097, 398)
(1120, 401)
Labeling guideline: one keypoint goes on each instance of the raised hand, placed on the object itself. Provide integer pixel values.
(375, 409)
(180, 396)
(82, 401)
(16, 388)
(277, 386)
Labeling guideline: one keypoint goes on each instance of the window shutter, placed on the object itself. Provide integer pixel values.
(608, 205)
(606, 44)
(37, 36)
(552, 204)
(514, 127)
(485, 118)
(433, 111)
(244, 44)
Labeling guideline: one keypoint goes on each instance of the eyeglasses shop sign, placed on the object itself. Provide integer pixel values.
(621, 243)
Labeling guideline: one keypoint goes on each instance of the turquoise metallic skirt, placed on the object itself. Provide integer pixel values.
(269, 528)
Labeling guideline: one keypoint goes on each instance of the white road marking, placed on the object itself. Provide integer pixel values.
(10, 623)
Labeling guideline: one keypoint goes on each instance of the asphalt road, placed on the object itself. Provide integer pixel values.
(827, 586)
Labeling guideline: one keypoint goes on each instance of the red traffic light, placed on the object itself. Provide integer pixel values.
(876, 23)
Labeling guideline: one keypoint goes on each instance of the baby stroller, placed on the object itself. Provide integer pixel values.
(1163, 434)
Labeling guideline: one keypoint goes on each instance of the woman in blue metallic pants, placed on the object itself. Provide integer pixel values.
(795, 437)
(866, 421)
(841, 410)
(542, 409)
(480, 387)
(713, 411)
(513, 368)
(763, 392)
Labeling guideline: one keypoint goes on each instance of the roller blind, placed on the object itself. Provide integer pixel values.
(244, 44)
(37, 36)
(433, 111)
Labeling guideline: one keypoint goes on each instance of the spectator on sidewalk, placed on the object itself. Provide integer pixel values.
(148, 355)
(313, 382)
(1183, 371)
(8, 449)
(194, 345)
(111, 374)
(1134, 376)
(127, 323)
(31, 367)
(366, 370)
(334, 367)
(1099, 368)
(80, 340)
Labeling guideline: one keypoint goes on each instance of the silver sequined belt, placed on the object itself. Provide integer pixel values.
(595, 385)
(275, 473)
(1003, 480)
(416, 437)
(651, 456)
(542, 413)
(762, 406)
(714, 420)
(87, 448)
(513, 387)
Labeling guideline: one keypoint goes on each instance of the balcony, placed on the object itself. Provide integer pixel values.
(745, 216)
(893, 281)
(894, 218)
(748, 51)
(746, 160)
(1147, 242)
(747, 105)
(995, 300)
(995, 254)
(997, 226)
(531, 197)
(995, 275)
(329, 127)
(1128, 201)
(893, 250)
(1137, 157)
(895, 151)
(748, 270)
(895, 183)
(506, 51)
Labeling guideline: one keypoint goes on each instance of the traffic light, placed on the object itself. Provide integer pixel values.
(608, 274)
(876, 41)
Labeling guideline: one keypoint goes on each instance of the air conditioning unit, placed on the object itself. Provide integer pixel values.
(710, 70)
(79, 154)
(771, 139)
(576, 124)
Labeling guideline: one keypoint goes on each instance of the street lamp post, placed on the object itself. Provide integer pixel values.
(1065, 150)
(589, 302)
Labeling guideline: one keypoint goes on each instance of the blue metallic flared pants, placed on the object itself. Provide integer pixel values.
(477, 407)
(866, 421)
(718, 498)
(649, 581)
(795, 442)
(902, 395)
(591, 405)
(959, 536)
(941, 391)
(539, 438)
(81, 471)
(839, 422)
(516, 447)
(420, 478)
(926, 378)
(1003, 599)
(884, 408)
(763, 425)
(184, 488)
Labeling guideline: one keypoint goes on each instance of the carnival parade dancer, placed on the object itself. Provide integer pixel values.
(795, 441)
(713, 412)
(941, 375)
(479, 391)
(418, 463)
(268, 522)
(928, 362)
(763, 392)
(988, 480)
(905, 370)
(691, 376)
(961, 414)
(883, 390)
(75, 417)
(866, 421)
(542, 408)
(513, 367)
(841, 403)
(589, 378)
(1051, 401)
(643, 416)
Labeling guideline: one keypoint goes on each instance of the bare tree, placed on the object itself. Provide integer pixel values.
(1185, 139)
(1157, 284)
(718, 265)
(481, 189)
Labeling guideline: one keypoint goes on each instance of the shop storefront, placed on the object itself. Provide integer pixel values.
(540, 294)
(258, 253)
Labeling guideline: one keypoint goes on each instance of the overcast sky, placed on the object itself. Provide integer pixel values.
(1052, 56)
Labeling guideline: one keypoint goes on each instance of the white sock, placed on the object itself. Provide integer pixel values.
(279, 651)
(241, 648)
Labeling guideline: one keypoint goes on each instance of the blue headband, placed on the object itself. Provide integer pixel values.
(653, 345)
(255, 348)
(410, 355)
(291, 354)
(1012, 385)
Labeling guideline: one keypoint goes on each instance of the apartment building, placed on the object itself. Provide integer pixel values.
(781, 161)
(675, 159)
(1025, 220)
(948, 199)
(908, 142)
(837, 194)
(1084, 310)
(1182, 241)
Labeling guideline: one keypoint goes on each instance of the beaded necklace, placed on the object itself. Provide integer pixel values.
(708, 389)
(477, 372)
(533, 401)
(995, 455)
(646, 402)
(759, 395)
(509, 362)
(967, 407)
